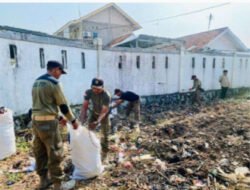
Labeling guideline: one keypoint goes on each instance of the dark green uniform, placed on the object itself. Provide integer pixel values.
(99, 100)
(47, 97)
(197, 92)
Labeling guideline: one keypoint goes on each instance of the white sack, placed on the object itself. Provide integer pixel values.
(7, 135)
(86, 153)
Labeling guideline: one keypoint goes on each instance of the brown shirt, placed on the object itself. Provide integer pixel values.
(47, 95)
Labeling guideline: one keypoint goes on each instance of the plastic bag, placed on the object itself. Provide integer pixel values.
(85, 153)
(7, 134)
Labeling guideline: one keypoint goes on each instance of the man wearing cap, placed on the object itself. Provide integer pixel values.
(48, 100)
(100, 99)
(197, 90)
(225, 84)
(133, 103)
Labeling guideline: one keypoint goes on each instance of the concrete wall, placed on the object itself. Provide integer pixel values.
(148, 81)
(16, 82)
(144, 80)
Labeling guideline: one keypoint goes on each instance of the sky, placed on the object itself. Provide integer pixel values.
(49, 17)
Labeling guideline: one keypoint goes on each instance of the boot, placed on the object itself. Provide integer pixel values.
(45, 182)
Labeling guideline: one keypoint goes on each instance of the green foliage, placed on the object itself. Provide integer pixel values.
(22, 145)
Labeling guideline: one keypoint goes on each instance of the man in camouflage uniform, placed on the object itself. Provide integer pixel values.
(100, 99)
(197, 90)
(48, 99)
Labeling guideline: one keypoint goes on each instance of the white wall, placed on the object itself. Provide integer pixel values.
(148, 81)
(145, 80)
(17, 82)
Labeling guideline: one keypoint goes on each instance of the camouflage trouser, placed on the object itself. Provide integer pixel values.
(48, 149)
(105, 126)
(134, 106)
(196, 97)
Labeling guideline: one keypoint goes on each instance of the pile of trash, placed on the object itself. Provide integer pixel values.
(196, 148)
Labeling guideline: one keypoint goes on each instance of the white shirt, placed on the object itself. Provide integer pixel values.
(224, 81)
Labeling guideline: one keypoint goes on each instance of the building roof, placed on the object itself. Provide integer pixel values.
(120, 40)
(40, 37)
(199, 40)
(142, 40)
(20, 30)
(133, 22)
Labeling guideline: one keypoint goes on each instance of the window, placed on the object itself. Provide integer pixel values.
(223, 63)
(193, 62)
(214, 62)
(120, 62)
(64, 59)
(83, 60)
(241, 63)
(42, 60)
(137, 61)
(246, 63)
(166, 62)
(153, 62)
(204, 63)
(13, 52)
(95, 34)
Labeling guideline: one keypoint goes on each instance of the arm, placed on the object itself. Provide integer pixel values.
(117, 103)
(83, 115)
(192, 87)
(63, 105)
(103, 114)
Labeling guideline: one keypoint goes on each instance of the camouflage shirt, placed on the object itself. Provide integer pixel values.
(47, 96)
(98, 100)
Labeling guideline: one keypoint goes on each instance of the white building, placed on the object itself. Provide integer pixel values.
(109, 23)
(147, 68)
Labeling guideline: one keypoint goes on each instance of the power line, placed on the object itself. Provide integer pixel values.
(188, 13)
(166, 18)
(174, 16)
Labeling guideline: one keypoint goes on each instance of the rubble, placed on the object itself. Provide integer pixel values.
(178, 148)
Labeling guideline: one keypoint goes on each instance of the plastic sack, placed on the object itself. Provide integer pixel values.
(7, 134)
(86, 153)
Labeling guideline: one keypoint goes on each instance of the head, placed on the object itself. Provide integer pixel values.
(118, 92)
(193, 77)
(225, 72)
(55, 69)
(2, 110)
(97, 85)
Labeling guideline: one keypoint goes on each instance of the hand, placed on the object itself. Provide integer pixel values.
(75, 124)
(93, 125)
(63, 121)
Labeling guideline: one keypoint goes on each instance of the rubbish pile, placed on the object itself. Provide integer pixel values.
(182, 148)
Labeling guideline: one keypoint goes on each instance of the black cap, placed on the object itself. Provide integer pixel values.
(193, 77)
(55, 64)
(96, 82)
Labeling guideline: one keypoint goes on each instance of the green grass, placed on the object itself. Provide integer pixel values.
(14, 177)
(22, 145)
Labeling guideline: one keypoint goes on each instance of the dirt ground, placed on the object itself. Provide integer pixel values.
(204, 148)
